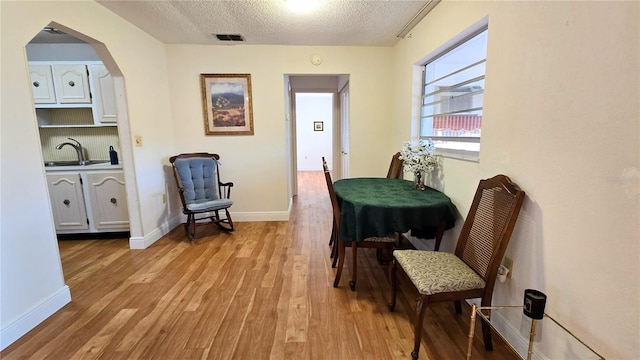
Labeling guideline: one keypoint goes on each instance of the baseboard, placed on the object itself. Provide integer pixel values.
(33, 317)
(143, 242)
(420, 244)
(261, 216)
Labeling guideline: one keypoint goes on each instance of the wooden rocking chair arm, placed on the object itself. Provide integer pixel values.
(225, 189)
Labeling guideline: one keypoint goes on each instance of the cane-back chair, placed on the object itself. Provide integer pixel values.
(471, 271)
(201, 191)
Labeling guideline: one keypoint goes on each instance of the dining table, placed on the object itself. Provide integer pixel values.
(372, 207)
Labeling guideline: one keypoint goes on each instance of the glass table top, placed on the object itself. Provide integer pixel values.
(539, 339)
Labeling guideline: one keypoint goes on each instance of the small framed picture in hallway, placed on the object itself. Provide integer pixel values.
(226, 104)
(318, 126)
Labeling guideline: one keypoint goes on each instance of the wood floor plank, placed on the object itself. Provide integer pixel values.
(264, 291)
(94, 347)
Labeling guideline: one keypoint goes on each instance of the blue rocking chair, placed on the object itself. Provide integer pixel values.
(201, 190)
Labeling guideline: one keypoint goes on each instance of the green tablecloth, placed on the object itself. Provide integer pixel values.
(380, 206)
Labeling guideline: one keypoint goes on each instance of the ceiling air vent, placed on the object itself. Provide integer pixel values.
(230, 37)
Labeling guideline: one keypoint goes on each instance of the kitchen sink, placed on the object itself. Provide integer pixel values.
(75, 163)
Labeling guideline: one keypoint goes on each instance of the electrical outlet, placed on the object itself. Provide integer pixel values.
(164, 198)
(138, 140)
(508, 263)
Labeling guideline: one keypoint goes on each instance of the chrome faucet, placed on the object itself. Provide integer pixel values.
(77, 147)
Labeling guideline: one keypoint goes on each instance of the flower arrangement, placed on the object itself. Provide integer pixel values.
(420, 157)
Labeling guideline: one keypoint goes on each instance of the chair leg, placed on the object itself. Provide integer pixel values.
(486, 329)
(458, 306)
(334, 245)
(341, 252)
(190, 227)
(219, 221)
(439, 233)
(333, 234)
(486, 335)
(421, 306)
(334, 254)
(394, 284)
(354, 265)
(229, 220)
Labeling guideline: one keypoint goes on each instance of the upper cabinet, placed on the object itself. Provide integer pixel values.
(72, 84)
(42, 84)
(104, 94)
(73, 94)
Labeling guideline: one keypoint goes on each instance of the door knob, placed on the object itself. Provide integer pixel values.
(66, 202)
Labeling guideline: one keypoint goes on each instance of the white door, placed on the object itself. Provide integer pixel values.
(344, 132)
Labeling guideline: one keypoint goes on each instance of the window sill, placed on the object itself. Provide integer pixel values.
(466, 155)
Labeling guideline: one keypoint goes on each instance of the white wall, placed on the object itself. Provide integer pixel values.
(312, 145)
(372, 118)
(256, 164)
(561, 118)
(32, 284)
(261, 159)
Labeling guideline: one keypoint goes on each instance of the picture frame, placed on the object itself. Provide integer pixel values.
(318, 126)
(227, 104)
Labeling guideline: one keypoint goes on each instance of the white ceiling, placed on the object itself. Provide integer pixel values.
(270, 22)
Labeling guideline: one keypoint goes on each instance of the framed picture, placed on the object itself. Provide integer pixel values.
(226, 103)
(318, 126)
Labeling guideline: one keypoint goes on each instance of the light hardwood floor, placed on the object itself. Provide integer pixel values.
(263, 292)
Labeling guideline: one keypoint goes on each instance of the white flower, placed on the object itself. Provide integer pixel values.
(419, 157)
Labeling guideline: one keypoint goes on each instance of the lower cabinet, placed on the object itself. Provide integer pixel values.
(108, 201)
(67, 202)
(88, 201)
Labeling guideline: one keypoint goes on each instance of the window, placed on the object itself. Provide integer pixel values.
(452, 97)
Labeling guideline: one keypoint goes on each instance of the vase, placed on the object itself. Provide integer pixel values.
(418, 180)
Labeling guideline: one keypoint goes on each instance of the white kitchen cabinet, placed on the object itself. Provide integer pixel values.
(42, 84)
(104, 94)
(67, 202)
(88, 201)
(73, 94)
(108, 200)
(72, 84)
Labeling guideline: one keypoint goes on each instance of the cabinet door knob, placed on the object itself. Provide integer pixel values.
(66, 202)
(113, 200)
(36, 84)
(72, 84)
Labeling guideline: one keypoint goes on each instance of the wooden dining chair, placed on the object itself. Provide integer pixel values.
(382, 242)
(471, 271)
(395, 168)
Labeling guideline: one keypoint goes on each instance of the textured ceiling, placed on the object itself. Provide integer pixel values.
(270, 22)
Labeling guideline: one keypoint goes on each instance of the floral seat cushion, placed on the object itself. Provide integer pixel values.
(434, 272)
(384, 239)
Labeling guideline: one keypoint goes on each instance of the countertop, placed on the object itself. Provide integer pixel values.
(90, 167)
